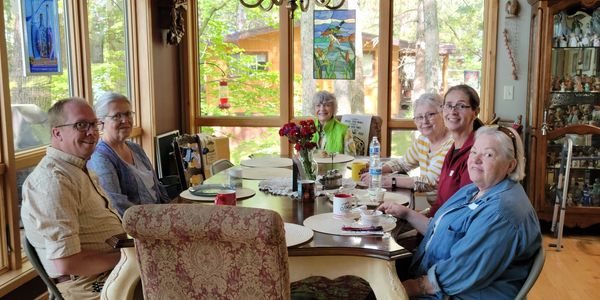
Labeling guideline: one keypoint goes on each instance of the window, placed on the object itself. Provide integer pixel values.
(32, 95)
(260, 61)
(108, 46)
(333, 44)
(107, 66)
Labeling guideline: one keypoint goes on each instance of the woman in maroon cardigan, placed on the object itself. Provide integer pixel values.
(460, 110)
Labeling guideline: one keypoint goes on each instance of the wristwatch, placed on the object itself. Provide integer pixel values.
(393, 183)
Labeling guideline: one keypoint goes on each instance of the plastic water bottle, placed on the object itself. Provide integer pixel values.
(374, 167)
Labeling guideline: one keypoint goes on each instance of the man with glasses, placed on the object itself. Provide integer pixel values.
(66, 214)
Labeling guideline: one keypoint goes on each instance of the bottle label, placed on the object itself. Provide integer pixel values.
(373, 150)
(373, 171)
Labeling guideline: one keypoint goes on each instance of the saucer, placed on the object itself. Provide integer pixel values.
(386, 222)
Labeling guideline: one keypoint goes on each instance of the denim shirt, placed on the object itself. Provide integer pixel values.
(482, 249)
(122, 184)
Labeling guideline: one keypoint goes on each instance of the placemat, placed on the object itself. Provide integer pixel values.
(296, 234)
(330, 224)
(265, 173)
(338, 158)
(240, 194)
(264, 162)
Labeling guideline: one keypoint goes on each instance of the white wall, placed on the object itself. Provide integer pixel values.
(518, 29)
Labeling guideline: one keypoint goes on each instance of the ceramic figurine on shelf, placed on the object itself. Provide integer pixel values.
(568, 83)
(595, 40)
(596, 192)
(596, 84)
(585, 40)
(578, 86)
(573, 40)
(585, 196)
(573, 117)
(560, 24)
(595, 22)
(556, 81)
(562, 41)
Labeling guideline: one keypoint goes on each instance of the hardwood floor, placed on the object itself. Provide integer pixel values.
(572, 273)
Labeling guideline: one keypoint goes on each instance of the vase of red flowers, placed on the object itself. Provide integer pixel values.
(300, 135)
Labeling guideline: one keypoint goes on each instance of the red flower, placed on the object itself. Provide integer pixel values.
(300, 135)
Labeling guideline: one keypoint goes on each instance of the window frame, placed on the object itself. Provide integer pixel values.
(383, 69)
(137, 19)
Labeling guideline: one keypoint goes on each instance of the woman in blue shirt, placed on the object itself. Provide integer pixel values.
(124, 170)
(482, 242)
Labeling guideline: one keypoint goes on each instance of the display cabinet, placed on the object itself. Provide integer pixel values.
(564, 102)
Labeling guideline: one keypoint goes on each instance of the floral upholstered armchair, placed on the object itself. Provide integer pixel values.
(188, 251)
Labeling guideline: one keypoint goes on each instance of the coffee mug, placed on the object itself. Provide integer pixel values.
(225, 197)
(357, 167)
(342, 203)
(306, 190)
(369, 217)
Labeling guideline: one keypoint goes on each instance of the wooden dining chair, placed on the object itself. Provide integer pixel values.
(188, 152)
(190, 251)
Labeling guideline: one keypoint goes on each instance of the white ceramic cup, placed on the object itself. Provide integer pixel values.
(342, 203)
(370, 217)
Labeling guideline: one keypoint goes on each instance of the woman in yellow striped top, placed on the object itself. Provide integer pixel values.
(427, 152)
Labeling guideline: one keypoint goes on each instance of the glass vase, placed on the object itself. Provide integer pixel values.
(308, 165)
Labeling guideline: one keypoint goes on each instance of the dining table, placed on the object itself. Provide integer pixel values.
(371, 257)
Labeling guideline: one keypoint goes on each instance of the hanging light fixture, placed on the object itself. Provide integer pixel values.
(292, 5)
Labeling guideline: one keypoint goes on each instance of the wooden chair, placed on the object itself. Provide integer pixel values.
(362, 146)
(534, 273)
(209, 252)
(34, 259)
(188, 153)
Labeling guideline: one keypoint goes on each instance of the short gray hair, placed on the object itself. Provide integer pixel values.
(432, 99)
(102, 102)
(56, 116)
(323, 97)
(507, 148)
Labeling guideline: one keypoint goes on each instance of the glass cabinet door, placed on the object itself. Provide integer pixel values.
(584, 180)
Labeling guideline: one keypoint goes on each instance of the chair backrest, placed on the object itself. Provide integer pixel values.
(220, 165)
(35, 261)
(188, 156)
(190, 251)
(362, 145)
(534, 273)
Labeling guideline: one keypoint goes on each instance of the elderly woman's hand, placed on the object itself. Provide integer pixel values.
(395, 209)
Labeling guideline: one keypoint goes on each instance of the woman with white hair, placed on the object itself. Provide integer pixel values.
(483, 240)
(427, 151)
(332, 135)
(124, 170)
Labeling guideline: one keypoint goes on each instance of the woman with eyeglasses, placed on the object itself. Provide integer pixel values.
(332, 135)
(460, 110)
(482, 242)
(427, 152)
(124, 170)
